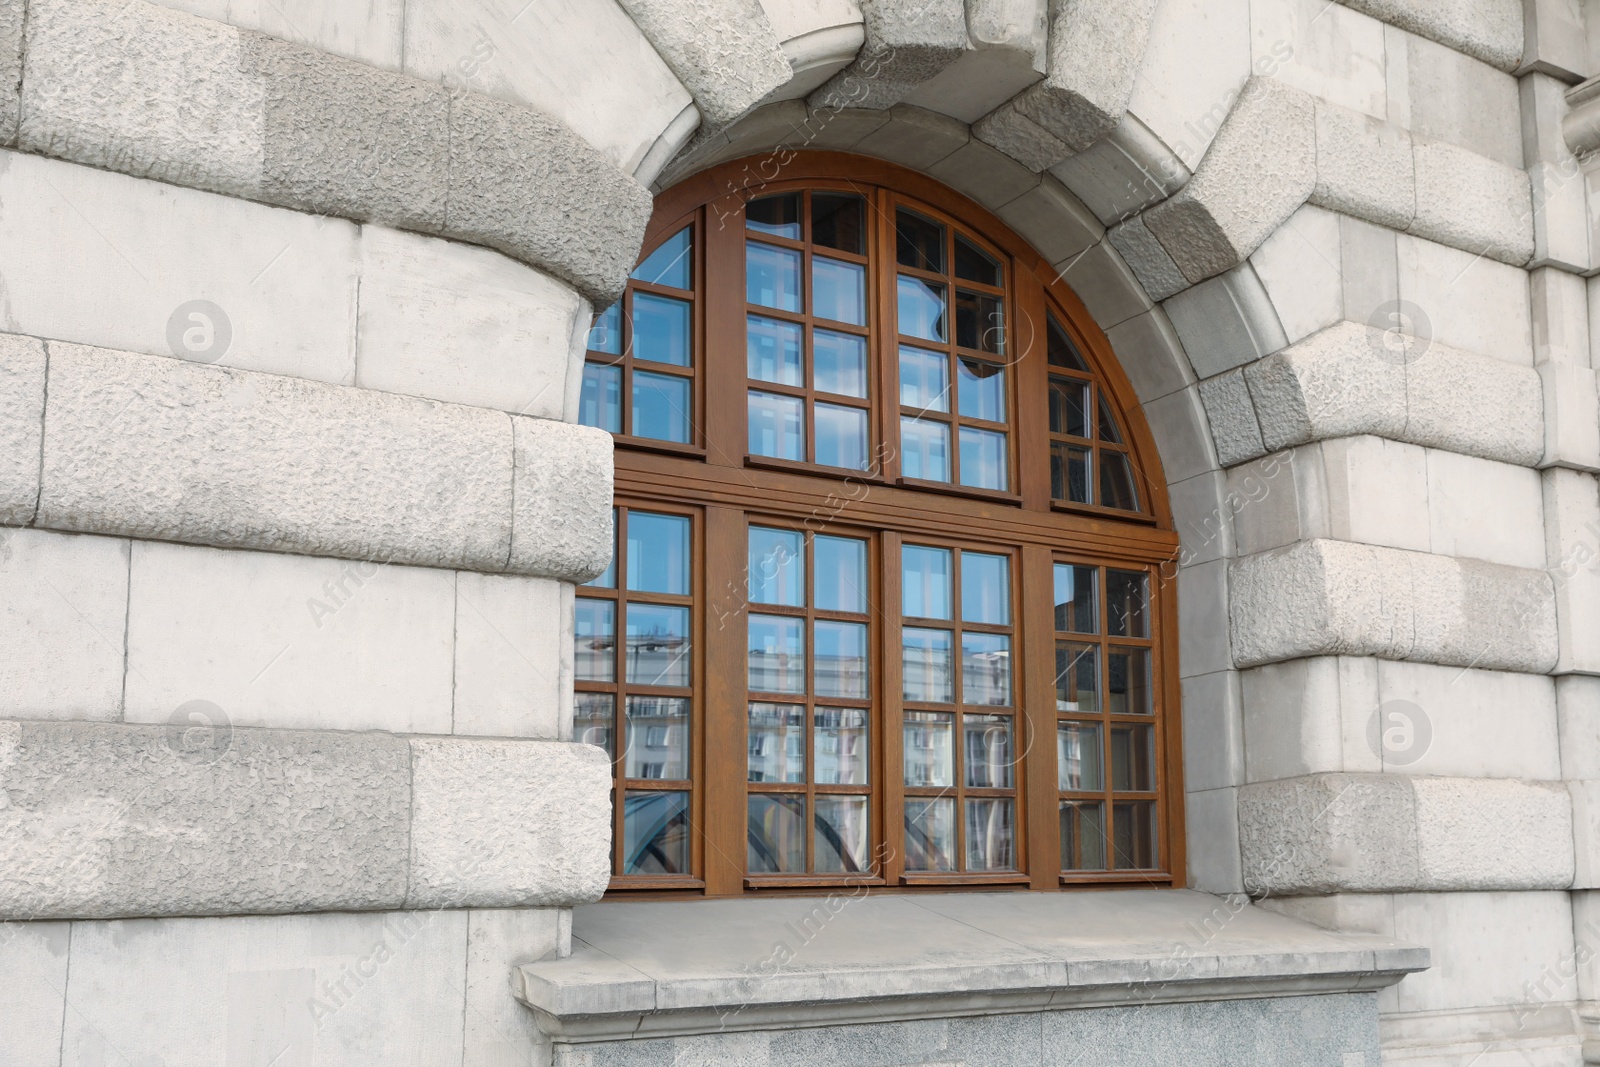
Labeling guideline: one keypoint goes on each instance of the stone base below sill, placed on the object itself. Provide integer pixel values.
(642, 969)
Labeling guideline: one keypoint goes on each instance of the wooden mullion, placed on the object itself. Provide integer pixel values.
(724, 774)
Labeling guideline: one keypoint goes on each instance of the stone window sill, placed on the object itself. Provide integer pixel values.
(656, 969)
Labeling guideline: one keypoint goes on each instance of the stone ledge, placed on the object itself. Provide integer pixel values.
(644, 969)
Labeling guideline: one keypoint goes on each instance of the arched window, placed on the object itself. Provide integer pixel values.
(887, 603)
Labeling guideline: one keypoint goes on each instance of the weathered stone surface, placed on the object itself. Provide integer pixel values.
(1475, 405)
(22, 368)
(1232, 418)
(508, 823)
(724, 51)
(33, 981)
(1471, 202)
(1095, 52)
(1364, 167)
(561, 527)
(1227, 321)
(1125, 173)
(1490, 30)
(1494, 834)
(908, 42)
(105, 820)
(1149, 262)
(1021, 138)
(11, 32)
(162, 448)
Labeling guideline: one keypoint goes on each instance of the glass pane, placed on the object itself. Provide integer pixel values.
(773, 351)
(838, 220)
(929, 738)
(919, 242)
(777, 743)
(841, 829)
(777, 654)
(777, 426)
(661, 329)
(921, 308)
(777, 834)
(981, 390)
(606, 333)
(607, 578)
(601, 401)
(986, 669)
(657, 740)
(595, 641)
(1133, 826)
(655, 833)
(841, 436)
(778, 215)
(1116, 481)
(985, 588)
(839, 363)
(658, 553)
(983, 459)
(991, 834)
(841, 659)
(1128, 681)
(1060, 350)
(1083, 835)
(1108, 423)
(987, 750)
(973, 264)
(1076, 609)
(660, 406)
(1127, 603)
(1069, 407)
(670, 263)
(927, 673)
(841, 578)
(924, 449)
(658, 645)
(841, 746)
(772, 276)
(1078, 757)
(777, 567)
(930, 833)
(924, 382)
(925, 582)
(838, 290)
(1077, 677)
(594, 720)
(980, 322)
(1069, 473)
(1133, 758)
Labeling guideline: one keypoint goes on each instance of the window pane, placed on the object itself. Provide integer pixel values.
(841, 436)
(661, 329)
(991, 834)
(841, 659)
(777, 428)
(973, 264)
(986, 669)
(838, 220)
(928, 674)
(607, 579)
(670, 263)
(980, 322)
(777, 834)
(601, 402)
(657, 741)
(985, 588)
(773, 351)
(841, 744)
(1083, 835)
(1116, 481)
(777, 567)
(1069, 473)
(925, 582)
(778, 215)
(930, 833)
(1126, 604)
(660, 406)
(921, 308)
(606, 333)
(772, 276)
(655, 833)
(1061, 352)
(841, 829)
(1108, 423)
(1069, 407)
(981, 391)
(1133, 758)
(595, 641)
(1128, 681)
(777, 743)
(841, 578)
(919, 242)
(929, 748)
(839, 363)
(838, 290)
(924, 382)
(658, 645)
(1078, 757)
(658, 553)
(594, 719)
(1076, 603)
(1077, 677)
(924, 449)
(777, 654)
(987, 750)
(1133, 827)
(983, 459)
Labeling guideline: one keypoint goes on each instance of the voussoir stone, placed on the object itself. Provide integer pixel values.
(197, 818)
(724, 51)
(907, 43)
(12, 14)
(1096, 47)
(1472, 202)
(562, 524)
(22, 373)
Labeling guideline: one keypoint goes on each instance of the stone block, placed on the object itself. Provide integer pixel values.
(724, 52)
(1105, 285)
(1465, 723)
(1202, 607)
(1489, 949)
(1201, 511)
(165, 449)
(499, 1031)
(365, 31)
(1554, 40)
(1490, 30)
(1265, 498)
(1016, 135)
(1572, 549)
(1195, 64)
(1231, 418)
(1095, 54)
(1052, 221)
(1474, 405)
(1126, 172)
(1463, 489)
(511, 662)
(818, 39)
(1468, 828)
(310, 643)
(1544, 105)
(984, 174)
(561, 523)
(1213, 741)
(63, 615)
(1335, 54)
(1151, 355)
(1578, 716)
(1559, 307)
(1226, 322)
(1560, 217)
(1212, 822)
(1467, 301)
(1456, 98)
(907, 43)
(1006, 57)
(913, 137)
(1585, 833)
(33, 981)
(1150, 264)
(108, 819)
(11, 35)
(1300, 268)
(1309, 716)
(1364, 167)
(462, 324)
(22, 373)
(511, 824)
(1471, 202)
(1178, 424)
(1369, 258)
